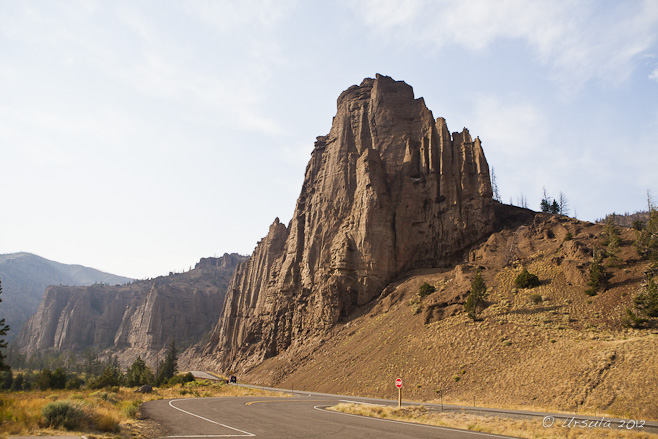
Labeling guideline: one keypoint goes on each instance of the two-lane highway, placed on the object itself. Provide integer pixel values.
(273, 417)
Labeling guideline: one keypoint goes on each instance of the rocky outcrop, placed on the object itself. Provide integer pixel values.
(388, 190)
(139, 318)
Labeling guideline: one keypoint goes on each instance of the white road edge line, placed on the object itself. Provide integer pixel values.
(246, 433)
(210, 435)
(357, 402)
(320, 408)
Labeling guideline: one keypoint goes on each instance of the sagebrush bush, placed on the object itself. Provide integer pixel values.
(131, 408)
(62, 414)
(535, 298)
(110, 397)
(106, 422)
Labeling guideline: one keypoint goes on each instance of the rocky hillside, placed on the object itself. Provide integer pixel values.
(25, 277)
(139, 318)
(388, 190)
(551, 347)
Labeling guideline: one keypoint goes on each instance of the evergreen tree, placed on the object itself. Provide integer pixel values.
(555, 208)
(167, 368)
(545, 203)
(43, 379)
(611, 238)
(647, 238)
(58, 379)
(111, 377)
(476, 297)
(139, 374)
(647, 301)
(3, 333)
(17, 384)
(596, 275)
(6, 379)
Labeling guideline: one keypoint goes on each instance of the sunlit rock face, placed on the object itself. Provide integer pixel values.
(388, 190)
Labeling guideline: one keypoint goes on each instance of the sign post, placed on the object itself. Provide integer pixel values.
(398, 384)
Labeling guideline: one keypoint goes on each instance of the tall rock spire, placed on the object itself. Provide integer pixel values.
(388, 190)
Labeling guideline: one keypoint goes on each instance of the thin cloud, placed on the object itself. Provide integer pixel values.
(654, 75)
(578, 41)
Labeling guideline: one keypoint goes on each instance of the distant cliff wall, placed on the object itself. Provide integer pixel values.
(140, 318)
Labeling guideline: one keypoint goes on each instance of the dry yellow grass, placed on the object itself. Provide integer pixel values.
(532, 429)
(107, 414)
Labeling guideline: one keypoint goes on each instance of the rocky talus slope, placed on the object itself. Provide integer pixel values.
(388, 190)
(139, 318)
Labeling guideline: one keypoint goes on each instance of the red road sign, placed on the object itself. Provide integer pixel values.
(398, 383)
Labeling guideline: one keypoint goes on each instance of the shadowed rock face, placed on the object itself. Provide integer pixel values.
(386, 191)
(140, 318)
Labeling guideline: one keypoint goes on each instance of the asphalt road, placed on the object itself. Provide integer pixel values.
(299, 416)
(548, 419)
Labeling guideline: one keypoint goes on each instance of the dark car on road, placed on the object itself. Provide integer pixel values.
(233, 379)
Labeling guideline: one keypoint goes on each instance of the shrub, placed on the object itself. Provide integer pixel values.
(535, 298)
(62, 413)
(111, 377)
(131, 409)
(416, 306)
(568, 236)
(632, 320)
(426, 289)
(105, 396)
(525, 279)
(74, 383)
(181, 379)
(106, 422)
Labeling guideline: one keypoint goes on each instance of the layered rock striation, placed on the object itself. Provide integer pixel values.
(388, 190)
(139, 318)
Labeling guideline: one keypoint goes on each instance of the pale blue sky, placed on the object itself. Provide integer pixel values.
(139, 136)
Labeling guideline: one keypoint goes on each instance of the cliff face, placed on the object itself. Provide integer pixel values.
(388, 190)
(25, 277)
(140, 318)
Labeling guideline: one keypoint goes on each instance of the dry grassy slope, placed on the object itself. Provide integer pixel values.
(568, 352)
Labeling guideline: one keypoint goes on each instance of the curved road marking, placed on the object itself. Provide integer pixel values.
(246, 433)
(358, 402)
(285, 400)
(323, 409)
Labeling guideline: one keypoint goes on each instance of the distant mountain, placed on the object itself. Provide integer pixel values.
(24, 280)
